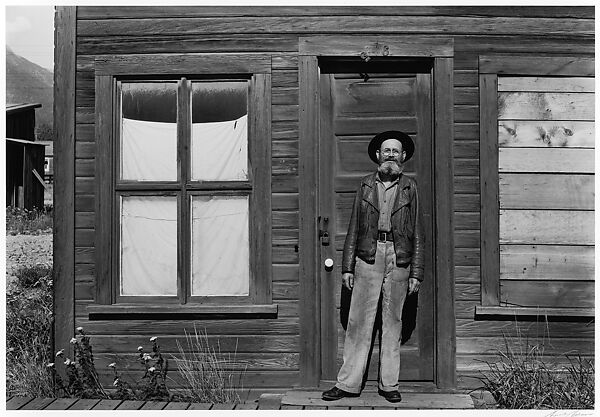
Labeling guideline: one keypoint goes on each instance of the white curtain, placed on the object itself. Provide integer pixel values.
(148, 150)
(220, 246)
(148, 245)
(220, 150)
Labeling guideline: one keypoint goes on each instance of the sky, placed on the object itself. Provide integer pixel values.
(30, 33)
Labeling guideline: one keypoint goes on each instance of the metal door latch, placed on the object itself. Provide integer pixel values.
(323, 233)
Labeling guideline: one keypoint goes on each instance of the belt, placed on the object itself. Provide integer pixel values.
(385, 236)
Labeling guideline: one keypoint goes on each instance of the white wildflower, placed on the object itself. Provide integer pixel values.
(80, 329)
(73, 341)
(112, 365)
(140, 348)
(151, 369)
(153, 339)
(50, 365)
(68, 362)
(146, 357)
(116, 382)
(60, 353)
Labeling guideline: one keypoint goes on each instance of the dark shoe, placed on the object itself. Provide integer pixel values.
(336, 394)
(391, 396)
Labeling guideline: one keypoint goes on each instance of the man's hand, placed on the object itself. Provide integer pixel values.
(348, 280)
(413, 285)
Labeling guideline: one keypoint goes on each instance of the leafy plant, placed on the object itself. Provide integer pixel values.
(82, 378)
(153, 384)
(207, 372)
(34, 276)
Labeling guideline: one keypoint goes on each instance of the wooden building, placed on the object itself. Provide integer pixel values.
(499, 101)
(48, 160)
(20, 121)
(24, 158)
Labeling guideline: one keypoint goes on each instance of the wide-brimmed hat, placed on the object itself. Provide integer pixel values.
(407, 143)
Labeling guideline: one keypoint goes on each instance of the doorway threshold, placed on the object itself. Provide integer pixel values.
(371, 400)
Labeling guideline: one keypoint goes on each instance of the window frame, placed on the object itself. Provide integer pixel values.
(490, 66)
(182, 68)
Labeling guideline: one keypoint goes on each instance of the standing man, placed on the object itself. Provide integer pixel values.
(383, 258)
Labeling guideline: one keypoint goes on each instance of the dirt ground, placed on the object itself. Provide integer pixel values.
(27, 250)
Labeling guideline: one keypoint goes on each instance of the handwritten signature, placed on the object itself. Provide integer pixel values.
(569, 413)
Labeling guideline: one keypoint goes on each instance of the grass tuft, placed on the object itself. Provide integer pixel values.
(523, 378)
(208, 373)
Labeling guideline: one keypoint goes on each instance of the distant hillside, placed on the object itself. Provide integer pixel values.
(27, 82)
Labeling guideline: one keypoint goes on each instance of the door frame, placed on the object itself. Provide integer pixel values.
(441, 50)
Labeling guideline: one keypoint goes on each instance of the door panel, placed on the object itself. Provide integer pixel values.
(352, 111)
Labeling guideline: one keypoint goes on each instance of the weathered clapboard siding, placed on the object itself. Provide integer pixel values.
(356, 24)
(559, 133)
(546, 262)
(91, 12)
(558, 160)
(547, 197)
(127, 30)
(545, 106)
(546, 84)
(550, 227)
(518, 133)
(541, 191)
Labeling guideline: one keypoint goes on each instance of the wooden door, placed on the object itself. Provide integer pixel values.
(352, 111)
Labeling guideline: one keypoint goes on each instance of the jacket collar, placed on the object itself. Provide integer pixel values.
(370, 194)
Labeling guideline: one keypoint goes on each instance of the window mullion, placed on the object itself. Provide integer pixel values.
(184, 129)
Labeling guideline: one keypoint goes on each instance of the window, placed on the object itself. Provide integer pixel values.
(537, 178)
(189, 187)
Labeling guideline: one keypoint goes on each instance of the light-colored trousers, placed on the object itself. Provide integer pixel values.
(370, 281)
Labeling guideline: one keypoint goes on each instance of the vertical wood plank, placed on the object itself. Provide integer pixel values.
(444, 250)
(259, 109)
(103, 183)
(309, 290)
(328, 279)
(488, 173)
(63, 243)
(184, 133)
(424, 156)
(115, 199)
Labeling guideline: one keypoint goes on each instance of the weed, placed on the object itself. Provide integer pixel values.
(206, 371)
(523, 378)
(34, 276)
(82, 380)
(25, 221)
(28, 333)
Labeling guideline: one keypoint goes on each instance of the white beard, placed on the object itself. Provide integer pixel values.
(390, 169)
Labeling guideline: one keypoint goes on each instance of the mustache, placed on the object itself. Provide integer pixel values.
(390, 168)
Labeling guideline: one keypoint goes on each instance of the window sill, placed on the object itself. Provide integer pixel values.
(483, 312)
(182, 312)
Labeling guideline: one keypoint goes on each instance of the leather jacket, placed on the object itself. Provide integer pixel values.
(361, 239)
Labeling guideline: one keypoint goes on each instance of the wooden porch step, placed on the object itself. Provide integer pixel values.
(410, 400)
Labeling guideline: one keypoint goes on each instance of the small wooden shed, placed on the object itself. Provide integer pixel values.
(207, 159)
(48, 160)
(24, 158)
